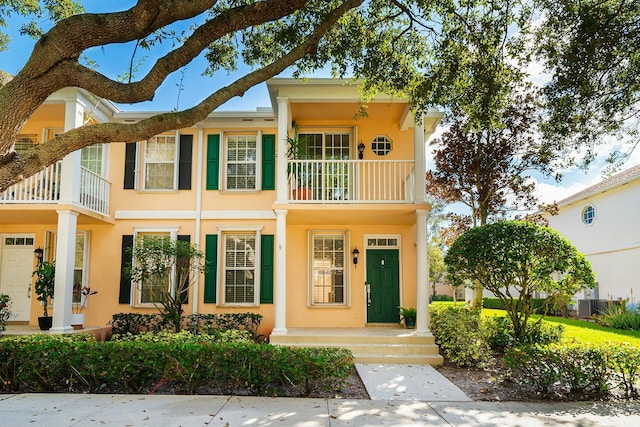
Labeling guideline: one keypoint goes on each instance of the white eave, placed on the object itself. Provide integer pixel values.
(618, 180)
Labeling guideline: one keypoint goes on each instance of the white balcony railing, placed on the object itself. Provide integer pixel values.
(94, 191)
(351, 181)
(44, 187)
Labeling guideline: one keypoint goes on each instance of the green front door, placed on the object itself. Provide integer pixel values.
(383, 278)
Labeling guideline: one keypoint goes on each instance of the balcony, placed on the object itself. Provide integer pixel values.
(351, 181)
(44, 188)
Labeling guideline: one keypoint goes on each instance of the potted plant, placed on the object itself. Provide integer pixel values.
(409, 316)
(5, 311)
(80, 296)
(45, 274)
(297, 150)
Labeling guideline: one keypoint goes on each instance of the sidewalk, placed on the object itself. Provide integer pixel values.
(401, 395)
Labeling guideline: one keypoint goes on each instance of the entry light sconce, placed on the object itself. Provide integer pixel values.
(361, 150)
(39, 254)
(355, 254)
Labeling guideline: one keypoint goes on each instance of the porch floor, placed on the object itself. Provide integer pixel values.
(102, 333)
(368, 345)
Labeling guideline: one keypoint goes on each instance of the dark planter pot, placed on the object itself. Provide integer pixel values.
(45, 323)
(410, 322)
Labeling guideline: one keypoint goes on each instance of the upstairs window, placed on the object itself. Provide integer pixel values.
(242, 162)
(160, 163)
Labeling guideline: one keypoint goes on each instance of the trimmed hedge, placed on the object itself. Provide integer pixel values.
(576, 369)
(186, 363)
(495, 303)
(212, 324)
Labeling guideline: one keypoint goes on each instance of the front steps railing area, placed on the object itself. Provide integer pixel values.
(44, 187)
(368, 345)
(351, 181)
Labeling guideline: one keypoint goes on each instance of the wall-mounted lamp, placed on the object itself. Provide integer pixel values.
(355, 254)
(39, 254)
(361, 150)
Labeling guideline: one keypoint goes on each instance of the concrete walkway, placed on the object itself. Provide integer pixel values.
(401, 396)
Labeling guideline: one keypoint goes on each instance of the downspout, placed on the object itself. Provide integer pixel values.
(196, 282)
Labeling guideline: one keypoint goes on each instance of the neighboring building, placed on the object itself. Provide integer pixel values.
(603, 222)
(282, 246)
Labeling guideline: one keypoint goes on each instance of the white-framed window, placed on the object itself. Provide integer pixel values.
(24, 142)
(240, 267)
(160, 159)
(92, 158)
(329, 262)
(149, 291)
(80, 259)
(241, 154)
(588, 214)
(381, 145)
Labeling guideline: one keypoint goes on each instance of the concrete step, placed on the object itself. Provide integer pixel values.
(368, 345)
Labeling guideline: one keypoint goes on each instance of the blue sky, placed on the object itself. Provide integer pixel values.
(114, 60)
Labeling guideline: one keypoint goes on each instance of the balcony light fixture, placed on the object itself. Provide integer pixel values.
(355, 254)
(361, 150)
(39, 254)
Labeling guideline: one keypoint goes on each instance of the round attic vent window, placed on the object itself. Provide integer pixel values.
(588, 214)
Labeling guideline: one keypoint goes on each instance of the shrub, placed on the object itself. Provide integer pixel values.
(624, 359)
(537, 304)
(570, 369)
(183, 362)
(5, 311)
(458, 333)
(441, 298)
(499, 333)
(212, 324)
(619, 317)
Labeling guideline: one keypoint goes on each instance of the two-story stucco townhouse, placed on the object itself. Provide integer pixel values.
(602, 222)
(339, 244)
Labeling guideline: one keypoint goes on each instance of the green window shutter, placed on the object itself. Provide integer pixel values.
(124, 296)
(130, 166)
(268, 162)
(266, 272)
(213, 161)
(184, 295)
(210, 277)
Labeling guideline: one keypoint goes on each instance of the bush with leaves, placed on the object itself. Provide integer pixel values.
(619, 317)
(500, 335)
(5, 311)
(184, 362)
(459, 334)
(576, 369)
(516, 259)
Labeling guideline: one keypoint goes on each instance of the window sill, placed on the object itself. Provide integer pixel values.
(240, 191)
(328, 305)
(237, 305)
(172, 191)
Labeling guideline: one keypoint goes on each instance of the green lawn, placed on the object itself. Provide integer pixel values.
(583, 331)
(580, 330)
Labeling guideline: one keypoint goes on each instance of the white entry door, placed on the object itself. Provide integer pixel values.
(15, 272)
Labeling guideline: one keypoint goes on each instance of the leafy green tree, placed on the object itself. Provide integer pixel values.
(590, 48)
(516, 259)
(165, 270)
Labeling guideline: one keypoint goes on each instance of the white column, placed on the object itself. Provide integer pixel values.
(198, 224)
(282, 187)
(421, 163)
(70, 174)
(65, 257)
(280, 297)
(422, 273)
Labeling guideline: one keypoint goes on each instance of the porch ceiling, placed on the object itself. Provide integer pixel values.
(315, 214)
(346, 111)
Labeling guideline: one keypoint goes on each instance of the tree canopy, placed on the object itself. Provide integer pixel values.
(432, 52)
(516, 259)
